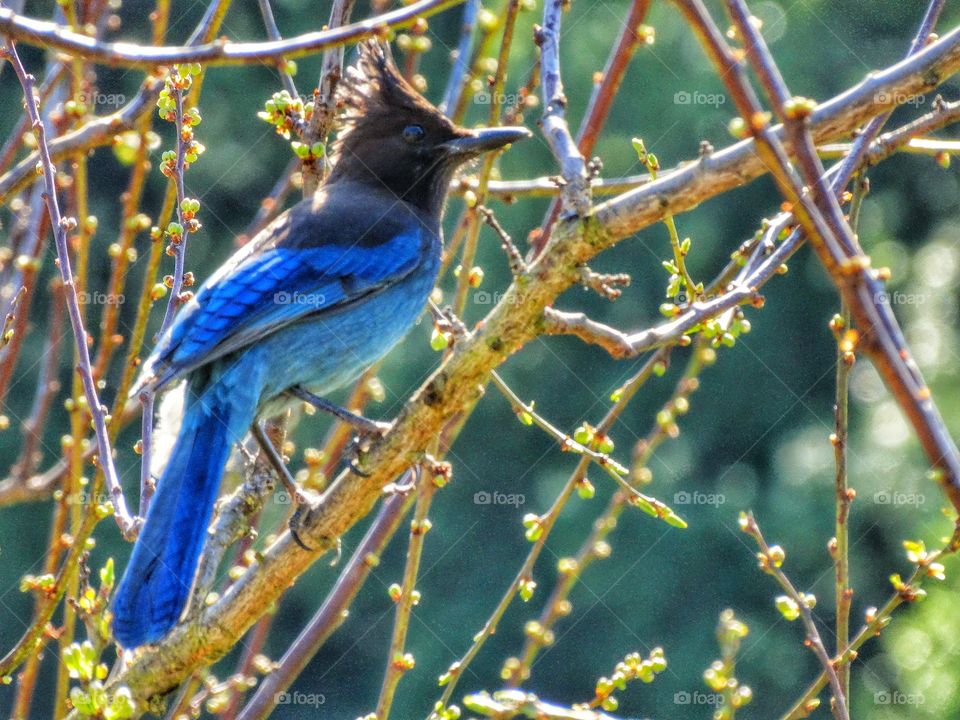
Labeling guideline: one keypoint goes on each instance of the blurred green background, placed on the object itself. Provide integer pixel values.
(756, 433)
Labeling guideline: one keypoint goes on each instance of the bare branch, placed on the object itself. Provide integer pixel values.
(575, 193)
(601, 101)
(60, 225)
(325, 100)
(686, 187)
(220, 52)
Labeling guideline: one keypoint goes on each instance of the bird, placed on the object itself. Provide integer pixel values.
(316, 298)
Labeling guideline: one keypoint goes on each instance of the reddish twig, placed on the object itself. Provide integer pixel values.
(60, 225)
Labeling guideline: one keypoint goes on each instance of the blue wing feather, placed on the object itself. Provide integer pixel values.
(274, 287)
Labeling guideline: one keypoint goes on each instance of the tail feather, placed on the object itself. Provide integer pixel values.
(157, 582)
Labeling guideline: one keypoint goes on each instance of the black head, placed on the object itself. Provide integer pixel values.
(393, 137)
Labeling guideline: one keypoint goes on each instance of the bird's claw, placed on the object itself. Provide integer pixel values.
(305, 502)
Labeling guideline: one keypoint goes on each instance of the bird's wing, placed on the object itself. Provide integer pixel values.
(274, 284)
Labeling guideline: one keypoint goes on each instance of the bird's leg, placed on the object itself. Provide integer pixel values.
(363, 425)
(276, 460)
(273, 456)
(366, 429)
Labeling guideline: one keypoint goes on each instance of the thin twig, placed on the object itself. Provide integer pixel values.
(514, 257)
(601, 102)
(325, 99)
(273, 33)
(771, 566)
(60, 225)
(398, 661)
(575, 193)
(459, 70)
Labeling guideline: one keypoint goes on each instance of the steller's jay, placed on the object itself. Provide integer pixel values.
(316, 298)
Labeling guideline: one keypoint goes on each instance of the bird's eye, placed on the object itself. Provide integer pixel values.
(413, 134)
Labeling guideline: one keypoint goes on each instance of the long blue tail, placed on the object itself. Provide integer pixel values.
(159, 576)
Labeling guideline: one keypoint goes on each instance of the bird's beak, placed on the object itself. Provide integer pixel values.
(483, 140)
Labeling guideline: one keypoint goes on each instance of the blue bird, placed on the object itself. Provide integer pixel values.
(316, 298)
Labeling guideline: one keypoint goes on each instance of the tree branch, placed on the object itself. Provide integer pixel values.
(575, 193)
(220, 52)
(60, 226)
